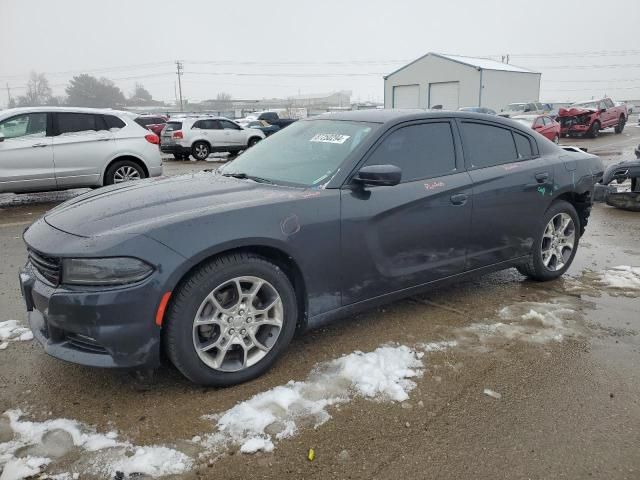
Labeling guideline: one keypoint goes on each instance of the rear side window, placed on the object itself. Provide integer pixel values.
(79, 122)
(113, 122)
(523, 144)
(486, 145)
(171, 126)
(227, 125)
(421, 151)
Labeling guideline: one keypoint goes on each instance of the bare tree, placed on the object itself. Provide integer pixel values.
(38, 91)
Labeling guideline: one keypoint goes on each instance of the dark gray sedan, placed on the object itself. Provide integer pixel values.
(331, 216)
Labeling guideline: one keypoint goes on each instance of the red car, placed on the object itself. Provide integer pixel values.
(543, 124)
(155, 123)
(588, 118)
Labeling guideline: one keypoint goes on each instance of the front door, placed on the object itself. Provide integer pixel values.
(235, 136)
(512, 188)
(26, 155)
(81, 148)
(412, 233)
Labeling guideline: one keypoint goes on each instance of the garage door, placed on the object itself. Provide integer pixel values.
(445, 94)
(406, 96)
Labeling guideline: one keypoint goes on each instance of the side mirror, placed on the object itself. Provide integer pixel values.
(379, 175)
(602, 110)
(1, 137)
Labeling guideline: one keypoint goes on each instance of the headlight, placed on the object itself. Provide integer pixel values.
(104, 271)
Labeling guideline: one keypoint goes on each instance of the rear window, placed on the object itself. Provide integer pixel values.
(172, 126)
(487, 145)
(142, 121)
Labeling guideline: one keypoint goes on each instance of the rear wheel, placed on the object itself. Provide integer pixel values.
(594, 131)
(253, 141)
(556, 244)
(230, 320)
(200, 150)
(620, 126)
(123, 171)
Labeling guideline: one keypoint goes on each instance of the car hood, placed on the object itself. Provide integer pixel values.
(574, 111)
(137, 207)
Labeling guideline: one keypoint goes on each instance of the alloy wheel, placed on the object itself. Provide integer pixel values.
(125, 174)
(558, 241)
(238, 323)
(201, 151)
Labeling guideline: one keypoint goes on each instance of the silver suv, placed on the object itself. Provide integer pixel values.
(204, 135)
(55, 148)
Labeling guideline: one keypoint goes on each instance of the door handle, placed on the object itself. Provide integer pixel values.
(459, 198)
(542, 177)
(39, 145)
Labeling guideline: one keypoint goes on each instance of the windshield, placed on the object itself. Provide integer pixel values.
(306, 153)
(526, 121)
(516, 107)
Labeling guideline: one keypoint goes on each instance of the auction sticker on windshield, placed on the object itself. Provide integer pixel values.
(330, 138)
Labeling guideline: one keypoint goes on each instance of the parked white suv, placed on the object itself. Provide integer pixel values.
(55, 148)
(204, 135)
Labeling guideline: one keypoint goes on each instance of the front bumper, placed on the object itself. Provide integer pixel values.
(575, 129)
(111, 328)
(97, 326)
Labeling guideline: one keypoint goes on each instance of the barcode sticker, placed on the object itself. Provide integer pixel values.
(330, 138)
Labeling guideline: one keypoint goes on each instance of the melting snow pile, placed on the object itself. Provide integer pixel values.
(28, 447)
(12, 330)
(437, 346)
(535, 322)
(253, 425)
(622, 277)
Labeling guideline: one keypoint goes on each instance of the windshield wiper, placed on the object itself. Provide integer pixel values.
(243, 175)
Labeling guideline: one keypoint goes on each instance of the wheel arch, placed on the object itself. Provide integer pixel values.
(132, 158)
(581, 202)
(273, 253)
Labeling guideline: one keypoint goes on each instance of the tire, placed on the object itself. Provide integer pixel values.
(253, 141)
(192, 300)
(594, 131)
(620, 126)
(123, 171)
(200, 150)
(535, 267)
(177, 156)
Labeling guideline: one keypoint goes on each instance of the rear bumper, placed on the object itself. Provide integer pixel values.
(175, 148)
(155, 171)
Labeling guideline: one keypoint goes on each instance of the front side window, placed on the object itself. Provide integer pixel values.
(488, 145)
(79, 122)
(421, 151)
(307, 153)
(27, 125)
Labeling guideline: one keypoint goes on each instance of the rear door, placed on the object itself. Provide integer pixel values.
(512, 188)
(82, 146)
(414, 232)
(26, 154)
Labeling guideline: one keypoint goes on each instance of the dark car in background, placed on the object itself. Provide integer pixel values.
(543, 124)
(155, 123)
(333, 215)
(264, 126)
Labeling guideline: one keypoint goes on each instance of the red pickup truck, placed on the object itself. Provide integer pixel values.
(588, 118)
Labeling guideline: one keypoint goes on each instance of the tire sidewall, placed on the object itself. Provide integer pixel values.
(180, 323)
(111, 171)
(559, 206)
(193, 151)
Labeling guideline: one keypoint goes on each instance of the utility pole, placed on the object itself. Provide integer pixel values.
(179, 69)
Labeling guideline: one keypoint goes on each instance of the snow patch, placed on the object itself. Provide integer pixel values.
(13, 331)
(383, 375)
(44, 441)
(437, 346)
(535, 322)
(622, 277)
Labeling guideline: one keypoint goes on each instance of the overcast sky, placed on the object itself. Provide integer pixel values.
(267, 48)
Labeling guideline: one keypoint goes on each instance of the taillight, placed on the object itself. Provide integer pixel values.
(152, 138)
(177, 134)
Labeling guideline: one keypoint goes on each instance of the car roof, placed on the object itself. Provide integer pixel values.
(392, 116)
(515, 117)
(19, 110)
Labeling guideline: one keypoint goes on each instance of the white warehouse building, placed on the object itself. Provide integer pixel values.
(454, 81)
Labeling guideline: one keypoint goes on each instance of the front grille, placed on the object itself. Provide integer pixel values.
(48, 267)
(85, 344)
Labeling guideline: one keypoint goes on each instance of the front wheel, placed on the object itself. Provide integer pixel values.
(230, 320)
(253, 141)
(123, 171)
(594, 131)
(555, 245)
(620, 126)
